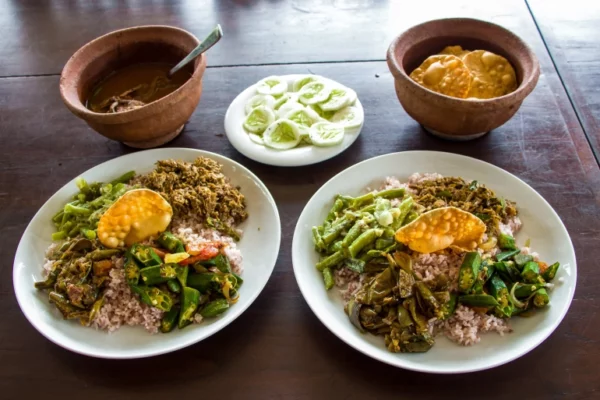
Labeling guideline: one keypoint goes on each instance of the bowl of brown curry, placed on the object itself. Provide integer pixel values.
(461, 78)
(118, 84)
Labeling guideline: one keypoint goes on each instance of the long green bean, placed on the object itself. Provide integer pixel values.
(367, 237)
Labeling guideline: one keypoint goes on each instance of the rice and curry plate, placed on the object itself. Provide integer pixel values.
(156, 250)
(431, 256)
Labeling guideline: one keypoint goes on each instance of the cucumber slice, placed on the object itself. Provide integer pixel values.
(314, 92)
(338, 99)
(325, 134)
(323, 114)
(305, 137)
(256, 139)
(288, 106)
(273, 85)
(348, 117)
(302, 81)
(282, 134)
(352, 96)
(303, 117)
(259, 100)
(286, 97)
(259, 119)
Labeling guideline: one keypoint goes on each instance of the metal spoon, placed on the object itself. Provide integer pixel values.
(206, 44)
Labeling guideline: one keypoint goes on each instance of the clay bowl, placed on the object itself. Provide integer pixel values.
(450, 117)
(155, 123)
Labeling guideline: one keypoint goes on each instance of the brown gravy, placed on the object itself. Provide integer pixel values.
(134, 86)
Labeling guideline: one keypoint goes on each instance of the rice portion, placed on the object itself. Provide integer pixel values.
(466, 324)
(192, 231)
(428, 267)
(122, 307)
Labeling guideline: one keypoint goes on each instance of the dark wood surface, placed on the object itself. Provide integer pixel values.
(571, 34)
(277, 348)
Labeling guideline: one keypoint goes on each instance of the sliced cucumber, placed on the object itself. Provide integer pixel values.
(302, 81)
(323, 114)
(286, 97)
(259, 119)
(256, 139)
(304, 117)
(273, 85)
(287, 107)
(259, 100)
(338, 99)
(324, 134)
(314, 92)
(282, 134)
(348, 117)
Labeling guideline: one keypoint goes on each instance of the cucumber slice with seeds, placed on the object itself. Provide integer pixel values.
(287, 107)
(314, 92)
(338, 99)
(259, 119)
(302, 81)
(259, 100)
(324, 134)
(285, 98)
(282, 134)
(273, 85)
(348, 117)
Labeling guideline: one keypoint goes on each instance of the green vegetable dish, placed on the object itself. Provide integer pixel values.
(431, 256)
(157, 250)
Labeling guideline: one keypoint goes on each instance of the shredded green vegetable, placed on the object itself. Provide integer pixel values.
(81, 215)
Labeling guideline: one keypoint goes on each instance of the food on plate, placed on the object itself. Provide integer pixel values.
(135, 86)
(432, 256)
(311, 110)
(456, 72)
(157, 250)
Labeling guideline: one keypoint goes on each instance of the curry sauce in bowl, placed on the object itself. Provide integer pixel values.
(135, 86)
(129, 66)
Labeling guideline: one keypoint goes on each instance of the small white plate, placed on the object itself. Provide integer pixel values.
(259, 247)
(540, 223)
(302, 155)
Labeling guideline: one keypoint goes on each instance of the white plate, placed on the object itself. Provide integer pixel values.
(259, 247)
(303, 155)
(540, 223)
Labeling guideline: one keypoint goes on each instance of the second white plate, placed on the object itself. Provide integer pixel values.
(304, 155)
(540, 223)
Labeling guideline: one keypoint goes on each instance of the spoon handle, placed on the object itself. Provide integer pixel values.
(206, 44)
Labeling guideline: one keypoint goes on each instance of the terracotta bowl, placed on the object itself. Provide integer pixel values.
(450, 117)
(155, 123)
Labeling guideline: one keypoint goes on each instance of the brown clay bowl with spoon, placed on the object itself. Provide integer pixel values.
(154, 123)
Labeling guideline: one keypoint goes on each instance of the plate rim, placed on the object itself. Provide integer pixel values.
(363, 349)
(284, 160)
(180, 345)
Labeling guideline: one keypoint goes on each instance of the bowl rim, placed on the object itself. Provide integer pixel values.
(523, 90)
(147, 110)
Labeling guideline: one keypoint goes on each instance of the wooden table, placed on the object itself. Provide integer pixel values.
(571, 36)
(277, 348)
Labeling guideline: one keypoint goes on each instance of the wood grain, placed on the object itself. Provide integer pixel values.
(277, 349)
(571, 34)
(38, 36)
